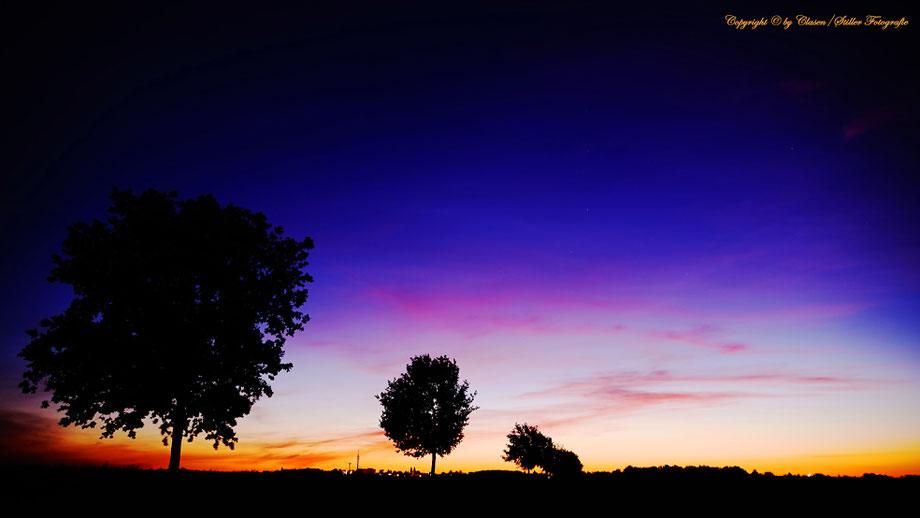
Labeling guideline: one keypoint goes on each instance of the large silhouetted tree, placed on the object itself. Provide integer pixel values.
(180, 315)
(528, 448)
(426, 408)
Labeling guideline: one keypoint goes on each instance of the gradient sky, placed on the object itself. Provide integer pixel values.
(660, 239)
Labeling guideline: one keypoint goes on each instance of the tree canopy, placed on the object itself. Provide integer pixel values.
(426, 408)
(563, 463)
(529, 449)
(180, 315)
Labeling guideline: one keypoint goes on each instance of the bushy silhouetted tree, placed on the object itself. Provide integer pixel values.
(426, 408)
(527, 447)
(180, 315)
(563, 463)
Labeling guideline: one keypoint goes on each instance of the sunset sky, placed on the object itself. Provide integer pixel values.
(661, 239)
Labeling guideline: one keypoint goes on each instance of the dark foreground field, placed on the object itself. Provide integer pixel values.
(636, 490)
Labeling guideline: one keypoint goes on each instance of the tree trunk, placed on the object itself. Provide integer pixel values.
(433, 457)
(178, 428)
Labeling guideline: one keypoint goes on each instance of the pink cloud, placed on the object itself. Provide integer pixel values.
(874, 120)
(785, 314)
(548, 312)
(629, 384)
(620, 402)
(475, 315)
(658, 397)
(702, 336)
(621, 392)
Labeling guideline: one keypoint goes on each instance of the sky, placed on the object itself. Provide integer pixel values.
(658, 237)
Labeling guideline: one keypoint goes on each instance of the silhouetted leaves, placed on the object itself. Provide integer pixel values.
(180, 315)
(426, 408)
(563, 463)
(529, 448)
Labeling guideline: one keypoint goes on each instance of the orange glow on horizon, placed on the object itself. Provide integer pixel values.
(51, 444)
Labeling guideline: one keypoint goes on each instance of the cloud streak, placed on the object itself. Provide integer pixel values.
(702, 336)
(627, 383)
(618, 393)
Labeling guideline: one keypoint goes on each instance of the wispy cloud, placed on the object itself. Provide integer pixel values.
(627, 383)
(702, 336)
(875, 120)
(590, 312)
(619, 393)
(32, 439)
(27, 438)
(477, 315)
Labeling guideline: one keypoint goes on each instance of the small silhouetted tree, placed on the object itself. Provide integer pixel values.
(563, 463)
(527, 447)
(426, 408)
(180, 315)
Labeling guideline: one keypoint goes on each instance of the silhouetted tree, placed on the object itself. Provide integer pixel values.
(180, 315)
(563, 463)
(426, 408)
(527, 447)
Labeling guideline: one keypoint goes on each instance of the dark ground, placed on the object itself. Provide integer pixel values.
(630, 491)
